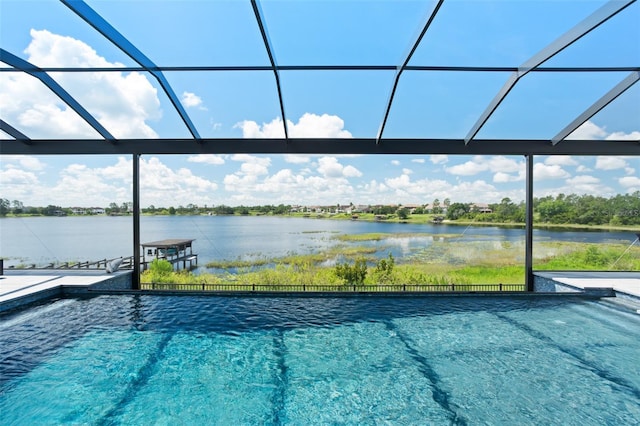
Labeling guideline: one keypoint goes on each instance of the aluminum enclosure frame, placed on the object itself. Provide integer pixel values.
(318, 146)
(22, 144)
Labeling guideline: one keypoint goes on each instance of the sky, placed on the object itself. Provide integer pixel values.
(343, 104)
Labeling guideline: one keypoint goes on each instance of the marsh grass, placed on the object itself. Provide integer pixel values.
(588, 256)
(378, 236)
(328, 255)
(463, 266)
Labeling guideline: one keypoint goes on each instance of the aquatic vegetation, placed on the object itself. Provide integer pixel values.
(352, 274)
(340, 251)
(378, 236)
(461, 266)
(587, 256)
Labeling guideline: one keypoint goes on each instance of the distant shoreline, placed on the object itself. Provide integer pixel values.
(420, 219)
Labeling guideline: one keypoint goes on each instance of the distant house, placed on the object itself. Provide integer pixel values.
(481, 208)
(411, 207)
(98, 210)
(78, 210)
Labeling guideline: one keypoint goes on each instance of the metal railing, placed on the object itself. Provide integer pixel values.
(328, 288)
(127, 263)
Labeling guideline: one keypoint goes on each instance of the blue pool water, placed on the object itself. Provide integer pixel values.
(230, 361)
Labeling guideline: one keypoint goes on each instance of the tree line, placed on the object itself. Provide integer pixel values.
(621, 209)
(559, 209)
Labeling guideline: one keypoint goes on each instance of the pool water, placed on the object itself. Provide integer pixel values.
(148, 359)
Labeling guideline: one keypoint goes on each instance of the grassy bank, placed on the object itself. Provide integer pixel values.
(438, 266)
(428, 219)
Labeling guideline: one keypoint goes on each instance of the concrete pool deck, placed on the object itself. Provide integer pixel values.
(21, 287)
(613, 283)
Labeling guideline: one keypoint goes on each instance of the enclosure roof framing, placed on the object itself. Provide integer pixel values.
(479, 128)
(402, 67)
(272, 59)
(108, 31)
(323, 146)
(597, 18)
(605, 100)
(28, 68)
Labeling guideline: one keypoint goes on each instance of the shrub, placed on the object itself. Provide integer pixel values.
(384, 270)
(352, 274)
(160, 267)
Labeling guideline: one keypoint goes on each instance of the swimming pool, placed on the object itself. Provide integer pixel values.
(149, 359)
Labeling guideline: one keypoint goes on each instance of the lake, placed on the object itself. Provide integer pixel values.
(42, 240)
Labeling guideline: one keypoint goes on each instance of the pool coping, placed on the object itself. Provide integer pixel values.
(33, 286)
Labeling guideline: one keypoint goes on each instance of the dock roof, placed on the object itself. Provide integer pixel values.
(171, 242)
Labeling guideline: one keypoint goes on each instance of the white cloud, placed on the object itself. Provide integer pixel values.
(418, 160)
(439, 158)
(404, 190)
(350, 171)
(247, 158)
(583, 169)
(499, 163)
(590, 130)
(329, 167)
(630, 182)
(402, 182)
(479, 163)
(99, 186)
(583, 179)
(560, 160)
(296, 158)
(191, 100)
(395, 162)
(121, 102)
(610, 163)
(586, 184)
(23, 161)
(469, 168)
(254, 169)
(501, 177)
(160, 185)
(375, 188)
(319, 126)
(14, 178)
(308, 126)
(633, 136)
(216, 160)
(407, 171)
(542, 172)
(629, 170)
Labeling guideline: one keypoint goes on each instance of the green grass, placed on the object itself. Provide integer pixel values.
(592, 257)
(342, 251)
(378, 236)
(463, 266)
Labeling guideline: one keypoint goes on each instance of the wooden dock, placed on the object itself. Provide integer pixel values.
(178, 252)
(175, 251)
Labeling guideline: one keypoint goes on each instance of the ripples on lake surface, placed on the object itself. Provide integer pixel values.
(41, 240)
(216, 360)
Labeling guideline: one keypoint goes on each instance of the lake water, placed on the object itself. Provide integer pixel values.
(41, 240)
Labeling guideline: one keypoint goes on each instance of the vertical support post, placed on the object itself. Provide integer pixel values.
(135, 284)
(528, 256)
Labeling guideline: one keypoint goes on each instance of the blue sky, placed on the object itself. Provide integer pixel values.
(317, 103)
